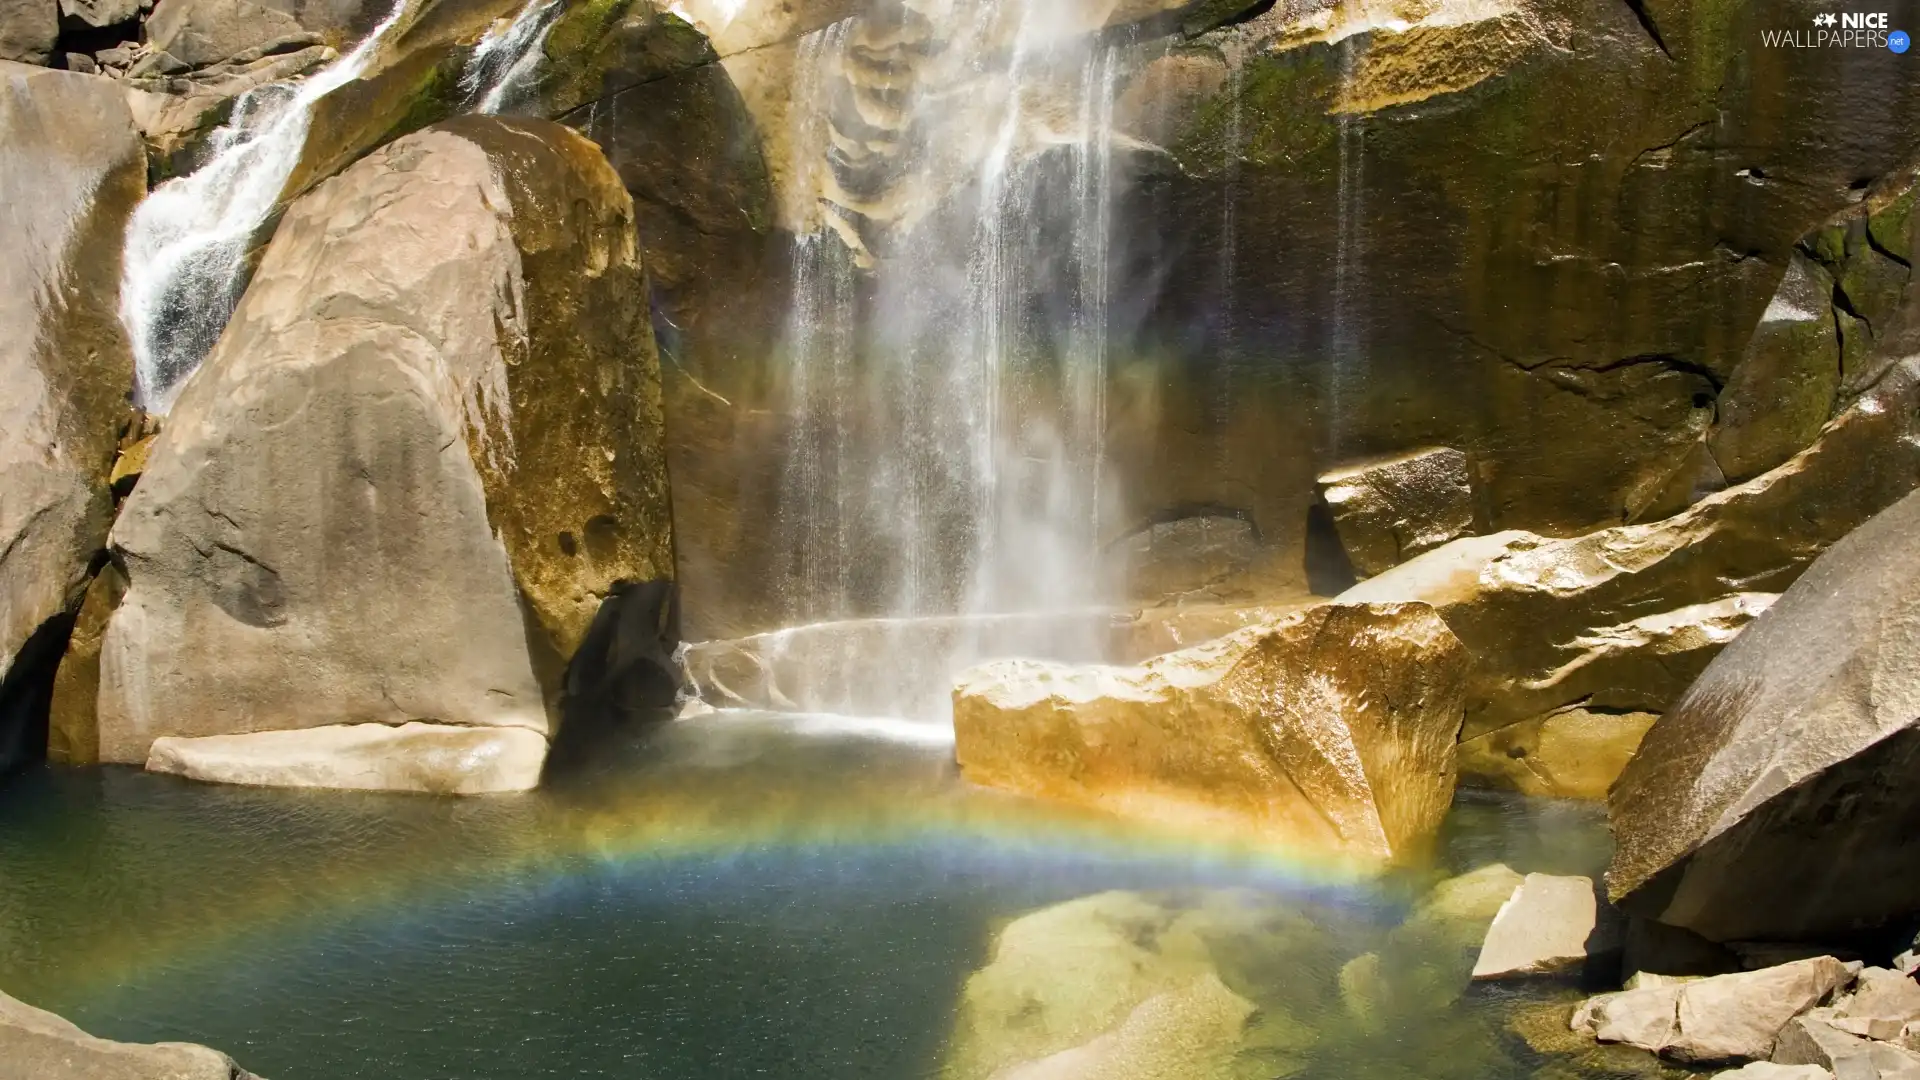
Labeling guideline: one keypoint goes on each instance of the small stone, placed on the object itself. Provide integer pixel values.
(1549, 926)
(82, 63)
(1726, 1018)
(1767, 1070)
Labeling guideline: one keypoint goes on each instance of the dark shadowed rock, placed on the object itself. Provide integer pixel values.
(1791, 759)
(28, 30)
(1390, 509)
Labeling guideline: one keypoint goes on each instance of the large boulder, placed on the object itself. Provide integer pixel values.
(1390, 509)
(37, 1045)
(424, 451)
(1549, 926)
(1623, 619)
(1790, 759)
(28, 30)
(1331, 727)
(73, 168)
(1574, 753)
(430, 758)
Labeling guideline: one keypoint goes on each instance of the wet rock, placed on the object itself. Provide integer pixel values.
(431, 758)
(1332, 727)
(73, 169)
(1624, 618)
(425, 448)
(1571, 754)
(1786, 386)
(1724, 1018)
(1788, 757)
(1427, 962)
(28, 30)
(1390, 509)
(37, 1045)
(1090, 984)
(1549, 926)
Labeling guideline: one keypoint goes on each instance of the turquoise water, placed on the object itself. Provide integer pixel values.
(732, 898)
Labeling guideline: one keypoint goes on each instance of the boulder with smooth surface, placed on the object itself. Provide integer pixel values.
(37, 1045)
(28, 30)
(1549, 926)
(425, 449)
(1791, 759)
(72, 170)
(1574, 753)
(430, 758)
(1332, 727)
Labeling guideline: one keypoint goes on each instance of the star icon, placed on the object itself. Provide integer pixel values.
(1825, 18)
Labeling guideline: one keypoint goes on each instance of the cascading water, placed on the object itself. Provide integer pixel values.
(946, 351)
(503, 64)
(187, 241)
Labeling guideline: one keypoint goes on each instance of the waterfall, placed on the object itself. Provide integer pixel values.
(187, 241)
(506, 59)
(945, 357)
(1346, 347)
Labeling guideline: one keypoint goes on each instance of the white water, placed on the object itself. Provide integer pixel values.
(947, 399)
(188, 240)
(502, 66)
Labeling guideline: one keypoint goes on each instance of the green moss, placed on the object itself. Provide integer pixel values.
(1891, 228)
(1279, 105)
(600, 47)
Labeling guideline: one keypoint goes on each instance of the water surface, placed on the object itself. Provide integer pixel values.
(735, 897)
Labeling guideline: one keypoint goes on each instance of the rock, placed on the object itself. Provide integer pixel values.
(1725, 1018)
(1427, 961)
(37, 1045)
(1332, 727)
(883, 667)
(1657, 950)
(1786, 386)
(1787, 757)
(198, 33)
(1549, 926)
(432, 758)
(1881, 1006)
(73, 169)
(28, 30)
(73, 714)
(1390, 509)
(1622, 619)
(1183, 1034)
(1073, 979)
(1816, 1040)
(1574, 753)
(440, 376)
(1767, 1070)
(101, 13)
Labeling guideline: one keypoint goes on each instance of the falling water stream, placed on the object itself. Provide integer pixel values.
(946, 351)
(188, 240)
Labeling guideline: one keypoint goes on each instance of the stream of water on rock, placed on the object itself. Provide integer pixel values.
(741, 897)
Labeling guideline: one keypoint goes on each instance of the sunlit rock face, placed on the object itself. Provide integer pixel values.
(431, 759)
(1623, 619)
(72, 169)
(1333, 727)
(426, 448)
(1791, 759)
(1575, 753)
(1388, 510)
(36, 1043)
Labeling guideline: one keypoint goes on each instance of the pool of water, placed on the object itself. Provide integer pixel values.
(733, 897)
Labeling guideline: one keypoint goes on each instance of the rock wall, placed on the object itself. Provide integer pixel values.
(73, 168)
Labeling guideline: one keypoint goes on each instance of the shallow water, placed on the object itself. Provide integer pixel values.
(732, 897)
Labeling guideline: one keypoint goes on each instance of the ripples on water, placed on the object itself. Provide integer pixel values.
(737, 897)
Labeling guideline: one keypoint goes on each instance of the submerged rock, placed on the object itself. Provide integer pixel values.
(1791, 759)
(431, 758)
(1427, 962)
(425, 449)
(1571, 754)
(72, 170)
(1767, 1070)
(1332, 727)
(37, 1045)
(1549, 926)
(1388, 510)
